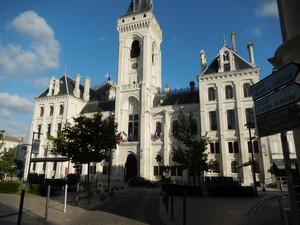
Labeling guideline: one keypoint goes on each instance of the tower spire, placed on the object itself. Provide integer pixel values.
(224, 39)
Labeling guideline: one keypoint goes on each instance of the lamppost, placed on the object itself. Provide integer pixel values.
(249, 125)
(31, 150)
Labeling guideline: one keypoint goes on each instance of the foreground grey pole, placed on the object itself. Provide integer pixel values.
(184, 208)
(21, 207)
(47, 202)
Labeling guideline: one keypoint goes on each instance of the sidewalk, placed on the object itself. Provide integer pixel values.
(208, 210)
(200, 210)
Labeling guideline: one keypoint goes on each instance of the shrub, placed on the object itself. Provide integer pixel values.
(9, 186)
(102, 197)
(231, 191)
(179, 189)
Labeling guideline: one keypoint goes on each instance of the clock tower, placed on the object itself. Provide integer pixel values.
(139, 80)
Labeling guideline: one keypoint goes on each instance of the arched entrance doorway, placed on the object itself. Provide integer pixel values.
(130, 167)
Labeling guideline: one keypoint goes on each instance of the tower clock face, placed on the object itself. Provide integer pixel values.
(134, 66)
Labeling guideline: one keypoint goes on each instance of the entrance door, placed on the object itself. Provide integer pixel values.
(130, 167)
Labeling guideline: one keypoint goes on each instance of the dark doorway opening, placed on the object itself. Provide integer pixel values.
(130, 167)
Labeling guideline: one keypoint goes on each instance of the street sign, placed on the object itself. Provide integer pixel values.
(35, 147)
(284, 97)
(276, 80)
(278, 121)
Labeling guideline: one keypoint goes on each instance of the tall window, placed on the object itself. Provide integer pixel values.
(228, 92)
(211, 94)
(158, 132)
(51, 110)
(135, 49)
(41, 111)
(213, 120)
(214, 147)
(59, 127)
(54, 165)
(39, 131)
(230, 119)
(61, 109)
(216, 167)
(194, 127)
(155, 170)
(256, 167)
(234, 164)
(233, 147)
(174, 127)
(133, 127)
(250, 117)
(49, 128)
(247, 90)
(255, 146)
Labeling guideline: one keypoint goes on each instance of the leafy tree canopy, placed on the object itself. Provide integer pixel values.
(191, 154)
(2, 132)
(7, 161)
(89, 139)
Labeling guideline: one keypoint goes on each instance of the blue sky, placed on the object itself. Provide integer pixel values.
(40, 38)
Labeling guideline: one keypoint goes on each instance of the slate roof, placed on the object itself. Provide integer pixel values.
(146, 5)
(92, 107)
(240, 63)
(173, 98)
(67, 85)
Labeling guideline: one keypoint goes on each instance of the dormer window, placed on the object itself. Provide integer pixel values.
(136, 5)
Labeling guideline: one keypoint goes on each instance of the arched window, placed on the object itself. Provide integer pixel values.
(247, 90)
(216, 167)
(158, 132)
(135, 49)
(153, 53)
(233, 166)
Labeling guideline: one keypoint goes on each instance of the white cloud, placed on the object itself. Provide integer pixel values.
(267, 9)
(5, 114)
(15, 103)
(41, 83)
(42, 54)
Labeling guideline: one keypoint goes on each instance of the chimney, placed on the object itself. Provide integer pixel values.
(203, 60)
(86, 92)
(76, 91)
(192, 86)
(233, 40)
(167, 89)
(251, 54)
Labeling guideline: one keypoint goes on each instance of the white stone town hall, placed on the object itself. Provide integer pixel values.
(146, 112)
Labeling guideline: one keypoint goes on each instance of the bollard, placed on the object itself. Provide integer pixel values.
(172, 203)
(47, 202)
(77, 194)
(165, 200)
(184, 208)
(21, 207)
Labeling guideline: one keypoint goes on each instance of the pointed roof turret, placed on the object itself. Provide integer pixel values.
(137, 6)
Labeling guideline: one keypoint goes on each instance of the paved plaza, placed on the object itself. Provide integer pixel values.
(204, 210)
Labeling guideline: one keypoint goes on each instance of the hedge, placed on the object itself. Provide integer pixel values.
(9, 186)
(231, 191)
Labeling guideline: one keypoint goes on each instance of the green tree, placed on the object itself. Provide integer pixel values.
(190, 154)
(88, 140)
(7, 162)
(2, 132)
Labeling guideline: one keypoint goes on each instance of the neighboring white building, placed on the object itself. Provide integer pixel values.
(146, 114)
